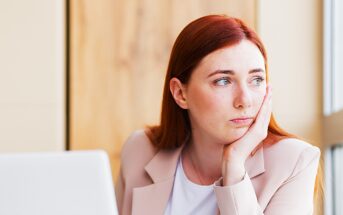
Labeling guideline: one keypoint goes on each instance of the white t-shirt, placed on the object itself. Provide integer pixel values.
(190, 198)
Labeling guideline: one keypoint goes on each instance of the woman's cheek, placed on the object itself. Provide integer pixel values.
(258, 101)
(202, 101)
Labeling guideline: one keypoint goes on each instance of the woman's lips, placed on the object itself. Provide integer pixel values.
(242, 121)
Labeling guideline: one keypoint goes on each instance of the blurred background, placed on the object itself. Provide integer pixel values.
(83, 74)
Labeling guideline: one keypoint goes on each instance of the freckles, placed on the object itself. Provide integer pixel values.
(212, 102)
(221, 103)
(225, 99)
(202, 100)
(258, 99)
(260, 94)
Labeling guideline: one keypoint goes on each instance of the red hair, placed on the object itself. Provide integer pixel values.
(196, 40)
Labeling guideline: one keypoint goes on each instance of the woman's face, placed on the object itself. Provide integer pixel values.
(228, 84)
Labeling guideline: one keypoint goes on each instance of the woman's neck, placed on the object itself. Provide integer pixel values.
(203, 159)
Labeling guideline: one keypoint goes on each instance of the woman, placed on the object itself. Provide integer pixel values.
(218, 148)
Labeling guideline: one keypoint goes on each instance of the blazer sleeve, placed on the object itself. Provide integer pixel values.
(119, 191)
(294, 196)
(120, 187)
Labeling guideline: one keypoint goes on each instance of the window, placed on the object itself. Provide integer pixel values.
(333, 56)
(333, 105)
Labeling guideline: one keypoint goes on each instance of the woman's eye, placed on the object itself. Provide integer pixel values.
(222, 82)
(257, 81)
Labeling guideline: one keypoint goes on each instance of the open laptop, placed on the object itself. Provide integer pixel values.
(56, 183)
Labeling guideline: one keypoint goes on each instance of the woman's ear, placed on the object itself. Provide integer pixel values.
(178, 91)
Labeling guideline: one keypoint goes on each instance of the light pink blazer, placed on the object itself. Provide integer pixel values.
(279, 181)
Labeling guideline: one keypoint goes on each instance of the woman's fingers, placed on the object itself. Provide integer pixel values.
(259, 129)
(268, 109)
(263, 116)
(265, 107)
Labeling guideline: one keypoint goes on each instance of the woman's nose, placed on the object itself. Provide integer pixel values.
(242, 98)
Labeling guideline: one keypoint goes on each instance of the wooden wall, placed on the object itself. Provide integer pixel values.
(119, 55)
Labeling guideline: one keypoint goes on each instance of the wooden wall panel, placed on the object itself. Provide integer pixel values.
(119, 54)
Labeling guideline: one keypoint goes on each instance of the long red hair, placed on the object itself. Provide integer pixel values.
(196, 40)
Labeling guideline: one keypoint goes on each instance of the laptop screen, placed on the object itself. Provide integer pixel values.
(68, 183)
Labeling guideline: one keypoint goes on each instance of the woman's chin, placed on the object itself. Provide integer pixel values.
(235, 135)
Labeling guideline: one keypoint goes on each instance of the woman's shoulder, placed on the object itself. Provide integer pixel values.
(137, 149)
(293, 147)
(290, 155)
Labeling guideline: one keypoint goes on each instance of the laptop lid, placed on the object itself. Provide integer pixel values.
(56, 183)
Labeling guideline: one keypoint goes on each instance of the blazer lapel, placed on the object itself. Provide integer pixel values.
(254, 165)
(152, 199)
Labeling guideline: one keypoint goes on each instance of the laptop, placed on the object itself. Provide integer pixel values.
(56, 183)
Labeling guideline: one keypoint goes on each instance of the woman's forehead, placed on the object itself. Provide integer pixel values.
(242, 57)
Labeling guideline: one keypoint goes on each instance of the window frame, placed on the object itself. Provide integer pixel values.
(332, 117)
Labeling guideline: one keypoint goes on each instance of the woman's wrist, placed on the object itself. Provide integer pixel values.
(232, 173)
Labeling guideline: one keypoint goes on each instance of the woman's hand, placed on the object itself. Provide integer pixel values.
(236, 153)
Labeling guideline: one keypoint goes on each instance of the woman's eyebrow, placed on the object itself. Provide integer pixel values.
(256, 71)
(231, 72)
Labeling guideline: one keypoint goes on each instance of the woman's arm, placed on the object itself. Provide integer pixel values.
(120, 190)
(236, 153)
(294, 196)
